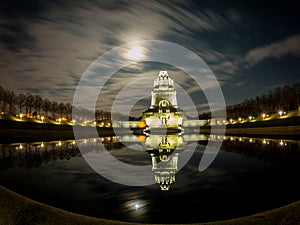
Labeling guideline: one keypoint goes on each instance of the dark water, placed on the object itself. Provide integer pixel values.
(249, 175)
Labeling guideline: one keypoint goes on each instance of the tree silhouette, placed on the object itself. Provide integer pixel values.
(53, 109)
(29, 103)
(62, 109)
(68, 108)
(46, 104)
(38, 103)
(21, 101)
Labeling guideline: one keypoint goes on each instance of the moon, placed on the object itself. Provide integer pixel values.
(136, 53)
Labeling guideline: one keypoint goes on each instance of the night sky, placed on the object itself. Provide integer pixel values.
(46, 46)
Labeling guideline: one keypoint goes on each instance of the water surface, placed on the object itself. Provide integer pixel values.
(249, 175)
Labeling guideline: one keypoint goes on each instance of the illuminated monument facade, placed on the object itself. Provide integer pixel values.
(163, 112)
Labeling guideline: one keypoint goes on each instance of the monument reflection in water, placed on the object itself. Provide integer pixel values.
(164, 151)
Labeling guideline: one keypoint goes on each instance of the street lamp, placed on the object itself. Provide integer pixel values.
(250, 118)
(263, 116)
(280, 113)
(42, 118)
(281, 143)
(59, 120)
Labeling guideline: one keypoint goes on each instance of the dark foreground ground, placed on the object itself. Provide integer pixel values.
(18, 210)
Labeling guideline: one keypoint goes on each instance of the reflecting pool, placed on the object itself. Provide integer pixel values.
(249, 175)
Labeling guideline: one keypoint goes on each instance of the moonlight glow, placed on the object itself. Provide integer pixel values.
(136, 53)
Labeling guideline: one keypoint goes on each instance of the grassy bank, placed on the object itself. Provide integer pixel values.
(283, 127)
(13, 131)
(291, 121)
(18, 210)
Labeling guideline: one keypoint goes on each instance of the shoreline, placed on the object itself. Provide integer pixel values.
(293, 130)
(12, 131)
(16, 209)
(27, 135)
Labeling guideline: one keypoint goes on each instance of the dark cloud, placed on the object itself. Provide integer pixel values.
(17, 9)
(50, 44)
(14, 37)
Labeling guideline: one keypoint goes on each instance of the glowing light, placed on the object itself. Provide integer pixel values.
(231, 120)
(148, 121)
(42, 118)
(251, 140)
(73, 121)
(21, 116)
(240, 119)
(59, 120)
(263, 116)
(250, 118)
(136, 53)
(280, 113)
(281, 143)
(59, 143)
(42, 145)
(264, 141)
(137, 206)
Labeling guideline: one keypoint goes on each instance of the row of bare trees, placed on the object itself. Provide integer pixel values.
(31, 105)
(285, 98)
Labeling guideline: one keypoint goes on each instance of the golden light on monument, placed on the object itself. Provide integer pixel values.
(163, 111)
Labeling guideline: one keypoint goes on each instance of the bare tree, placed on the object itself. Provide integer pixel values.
(21, 102)
(3, 99)
(38, 103)
(11, 100)
(29, 103)
(68, 108)
(46, 104)
(62, 109)
(53, 109)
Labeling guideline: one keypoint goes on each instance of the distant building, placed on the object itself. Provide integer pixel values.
(163, 111)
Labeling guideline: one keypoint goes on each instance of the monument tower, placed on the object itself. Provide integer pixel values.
(163, 112)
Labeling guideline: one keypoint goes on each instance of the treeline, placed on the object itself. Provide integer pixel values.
(285, 98)
(32, 105)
